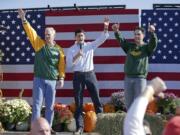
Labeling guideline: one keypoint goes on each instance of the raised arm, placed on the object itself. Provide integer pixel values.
(104, 35)
(35, 40)
(119, 38)
(153, 39)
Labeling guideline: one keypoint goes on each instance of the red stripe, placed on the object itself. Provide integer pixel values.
(109, 59)
(70, 93)
(100, 76)
(91, 27)
(69, 76)
(92, 12)
(107, 43)
(59, 93)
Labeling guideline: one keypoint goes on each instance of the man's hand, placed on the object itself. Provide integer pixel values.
(22, 14)
(151, 28)
(76, 57)
(106, 23)
(115, 27)
(61, 83)
(158, 85)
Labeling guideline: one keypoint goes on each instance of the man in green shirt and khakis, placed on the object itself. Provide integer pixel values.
(136, 64)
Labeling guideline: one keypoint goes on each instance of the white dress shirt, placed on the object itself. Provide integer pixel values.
(84, 63)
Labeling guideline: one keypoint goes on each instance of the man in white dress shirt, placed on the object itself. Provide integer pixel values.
(80, 59)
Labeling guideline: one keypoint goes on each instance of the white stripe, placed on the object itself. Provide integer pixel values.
(65, 100)
(108, 51)
(164, 68)
(68, 85)
(92, 35)
(17, 68)
(88, 19)
(99, 68)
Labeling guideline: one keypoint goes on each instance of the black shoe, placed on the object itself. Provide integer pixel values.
(53, 132)
(79, 132)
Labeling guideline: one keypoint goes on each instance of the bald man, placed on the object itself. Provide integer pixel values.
(49, 67)
(40, 127)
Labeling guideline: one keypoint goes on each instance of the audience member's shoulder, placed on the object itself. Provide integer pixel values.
(173, 126)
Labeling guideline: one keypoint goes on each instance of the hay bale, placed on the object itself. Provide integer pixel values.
(156, 124)
(110, 123)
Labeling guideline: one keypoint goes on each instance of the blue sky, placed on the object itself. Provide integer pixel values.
(145, 4)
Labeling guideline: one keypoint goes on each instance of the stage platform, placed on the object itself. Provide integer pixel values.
(57, 133)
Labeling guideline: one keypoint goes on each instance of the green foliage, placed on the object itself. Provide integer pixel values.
(118, 100)
(1, 55)
(156, 124)
(13, 111)
(168, 104)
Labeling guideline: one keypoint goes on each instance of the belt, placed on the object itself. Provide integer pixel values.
(83, 72)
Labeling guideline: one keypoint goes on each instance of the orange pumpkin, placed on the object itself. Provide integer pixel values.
(72, 107)
(90, 119)
(88, 107)
(152, 107)
(109, 108)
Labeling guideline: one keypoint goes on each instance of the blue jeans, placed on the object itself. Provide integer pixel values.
(43, 89)
(133, 88)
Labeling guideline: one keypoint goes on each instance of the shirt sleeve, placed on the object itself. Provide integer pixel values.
(69, 58)
(61, 64)
(152, 43)
(100, 40)
(124, 43)
(133, 123)
(36, 41)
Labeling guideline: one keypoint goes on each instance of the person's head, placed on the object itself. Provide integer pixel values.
(50, 35)
(40, 126)
(139, 34)
(80, 36)
(173, 126)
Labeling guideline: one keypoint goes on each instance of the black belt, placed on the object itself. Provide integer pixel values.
(81, 72)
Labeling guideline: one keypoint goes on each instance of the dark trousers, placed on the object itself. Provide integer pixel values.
(80, 80)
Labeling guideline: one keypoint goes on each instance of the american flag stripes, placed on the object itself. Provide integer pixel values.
(109, 58)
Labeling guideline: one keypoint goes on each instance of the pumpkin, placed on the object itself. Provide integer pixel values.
(152, 107)
(22, 126)
(90, 119)
(72, 107)
(109, 108)
(88, 107)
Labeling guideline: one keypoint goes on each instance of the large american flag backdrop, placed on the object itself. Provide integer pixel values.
(166, 60)
(109, 58)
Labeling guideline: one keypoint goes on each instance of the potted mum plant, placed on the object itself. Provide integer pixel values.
(14, 111)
